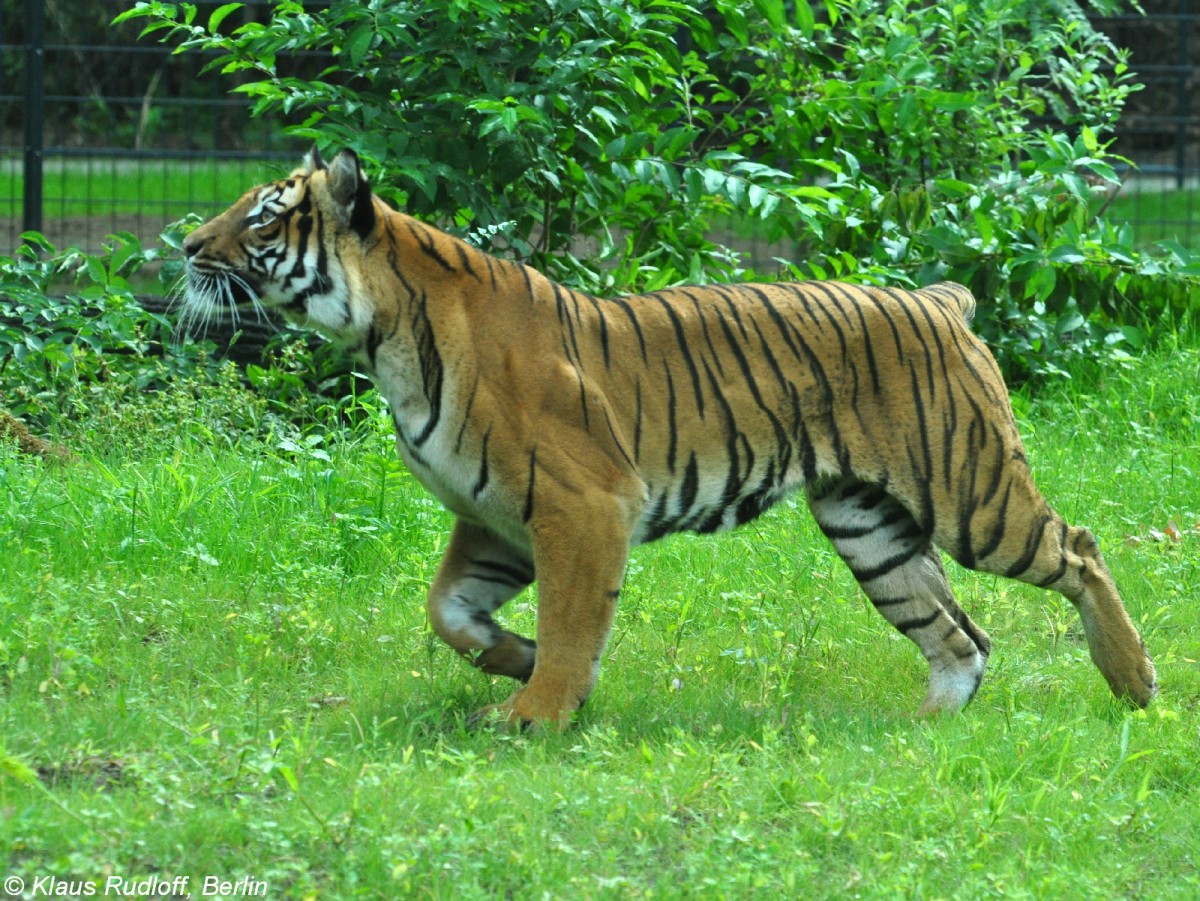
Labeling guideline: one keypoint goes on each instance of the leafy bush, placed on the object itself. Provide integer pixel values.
(890, 142)
(70, 323)
(75, 341)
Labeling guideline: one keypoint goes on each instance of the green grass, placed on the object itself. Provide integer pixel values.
(106, 186)
(1168, 215)
(214, 656)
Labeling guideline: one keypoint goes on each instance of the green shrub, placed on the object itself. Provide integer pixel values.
(75, 340)
(887, 142)
(71, 323)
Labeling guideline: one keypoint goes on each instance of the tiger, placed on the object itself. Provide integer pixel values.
(561, 430)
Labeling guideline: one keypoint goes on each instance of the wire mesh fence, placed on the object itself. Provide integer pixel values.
(104, 132)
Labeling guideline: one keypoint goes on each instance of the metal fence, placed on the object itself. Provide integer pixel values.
(1160, 127)
(103, 132)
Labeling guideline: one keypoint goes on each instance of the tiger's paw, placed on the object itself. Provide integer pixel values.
(521, 713)
(1135, 682)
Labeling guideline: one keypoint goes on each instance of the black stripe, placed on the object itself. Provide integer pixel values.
(527, 513)
(964, 553)
(802, 351)
(924, 476)
(1033, 541)
(854, 297)
(891, 563)
(690, 486)
(872, 498)
(999, 527)
(513, 575)
(734, 479)
(374, 339)
(824, 288)
(304, 227)
(760, 499)
(525, 270)
(672, 430)
(458, 439)
(482, 481)
(658, 524)
(835, 532)
(768, 354)
(730, 295)
(912, 625)
(491, 268)
(394, 262)
(432, 370)
(603, 320)
(612, 432)
(906, 302)
(716, 357)
(466, 260)
(425, 241)
(808, 454)
(637, 425)
(685, 351)
(637, 327)
(1062, 563)
(886, 313)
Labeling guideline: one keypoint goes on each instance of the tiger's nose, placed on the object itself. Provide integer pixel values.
(192, 244)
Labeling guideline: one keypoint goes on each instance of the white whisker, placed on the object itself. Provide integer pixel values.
(208, 297)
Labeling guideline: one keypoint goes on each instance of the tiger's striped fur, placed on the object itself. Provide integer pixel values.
(563, 429)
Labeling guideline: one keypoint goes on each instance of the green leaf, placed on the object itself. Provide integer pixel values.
(804, 18)
(1069, 322)
(1066, 253)
(772, 11)
(954, 188)
(1041, 283)
(14, 768)
(96, 270)
(220, 13)
(359, 42)
(288, 774)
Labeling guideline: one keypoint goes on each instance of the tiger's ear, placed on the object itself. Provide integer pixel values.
(351, 193)
(313, 162)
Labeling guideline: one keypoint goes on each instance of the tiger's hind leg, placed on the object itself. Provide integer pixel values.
(478, 574)
(901, 572)
(1038, 547)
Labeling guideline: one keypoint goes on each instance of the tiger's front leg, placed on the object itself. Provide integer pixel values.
(580, 550)
(479, 573)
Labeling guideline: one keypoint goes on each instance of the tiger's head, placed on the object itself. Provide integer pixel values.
(288, 245)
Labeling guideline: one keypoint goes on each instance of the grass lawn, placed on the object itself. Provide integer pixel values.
(107, 186)
(215, 664)
(1158, 215)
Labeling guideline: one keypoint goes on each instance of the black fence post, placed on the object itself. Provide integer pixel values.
(1182, 93)
(35, 112)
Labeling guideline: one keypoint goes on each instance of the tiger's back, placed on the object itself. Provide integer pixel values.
(562, 429)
